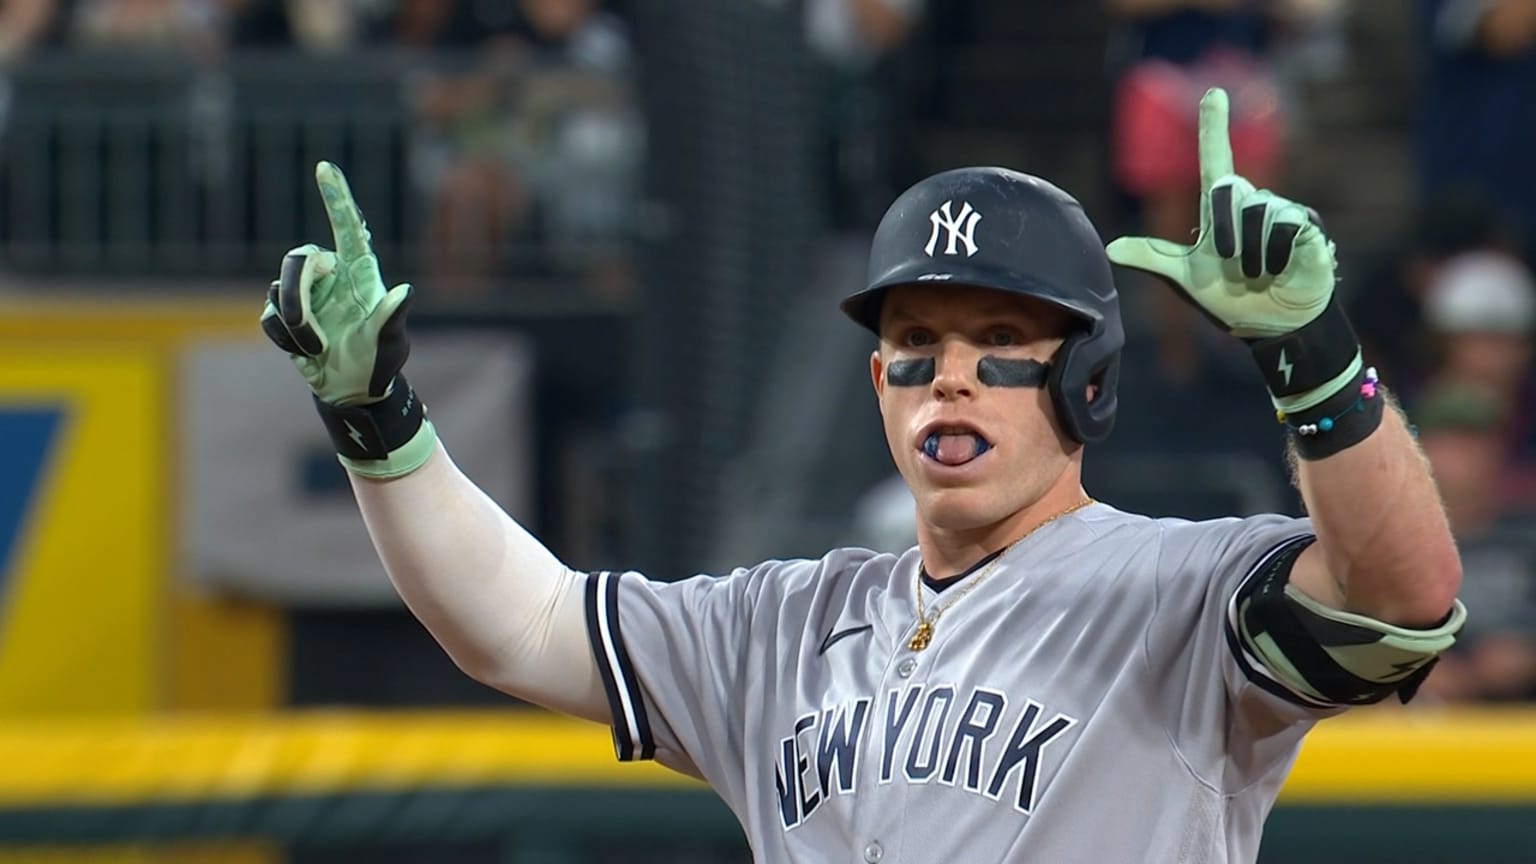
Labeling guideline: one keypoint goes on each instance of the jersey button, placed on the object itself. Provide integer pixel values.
(873, 852)
(906, 668)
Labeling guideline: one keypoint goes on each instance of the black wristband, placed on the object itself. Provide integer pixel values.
(375, 430)
(1310, 357)
(1341, 421)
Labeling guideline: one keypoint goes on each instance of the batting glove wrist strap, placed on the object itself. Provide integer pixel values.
(386, 438)
(1306, 365)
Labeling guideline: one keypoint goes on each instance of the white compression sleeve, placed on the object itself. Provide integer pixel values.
(507, 611)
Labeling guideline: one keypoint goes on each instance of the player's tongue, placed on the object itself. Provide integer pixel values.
(954, 448)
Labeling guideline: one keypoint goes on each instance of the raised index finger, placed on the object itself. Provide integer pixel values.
(346, 220)
(1215, 145)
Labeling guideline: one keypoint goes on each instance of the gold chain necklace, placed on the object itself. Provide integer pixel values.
(925, 622)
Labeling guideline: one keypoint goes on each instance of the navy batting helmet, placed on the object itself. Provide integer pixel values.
(995, 228)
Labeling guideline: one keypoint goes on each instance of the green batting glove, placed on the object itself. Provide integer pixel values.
(1263, 270)
(346, 334)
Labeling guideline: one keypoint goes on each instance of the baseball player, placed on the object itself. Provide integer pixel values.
(1043, 677)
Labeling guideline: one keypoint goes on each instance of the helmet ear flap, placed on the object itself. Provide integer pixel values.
(1084, 421)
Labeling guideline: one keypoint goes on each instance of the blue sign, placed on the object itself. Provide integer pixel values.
(25, 437)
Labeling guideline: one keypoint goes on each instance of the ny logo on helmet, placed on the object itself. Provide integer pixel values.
(960, 228)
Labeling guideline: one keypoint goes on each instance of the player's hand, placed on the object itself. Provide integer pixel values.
(1261, 265)
(346, 333)
(331, 312)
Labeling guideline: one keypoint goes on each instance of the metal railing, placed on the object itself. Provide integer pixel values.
(158, 166)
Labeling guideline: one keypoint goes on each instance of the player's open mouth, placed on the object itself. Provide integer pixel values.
(954, 445)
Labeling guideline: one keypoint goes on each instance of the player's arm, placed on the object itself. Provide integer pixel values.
(507, 611)
(1384, 548)
(1361, 612)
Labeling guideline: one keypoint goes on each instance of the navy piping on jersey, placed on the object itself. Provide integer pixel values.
(1253, 668)
(939, 585)
(631, 724)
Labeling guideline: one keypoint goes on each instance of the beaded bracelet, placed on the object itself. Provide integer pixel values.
(1326, 424)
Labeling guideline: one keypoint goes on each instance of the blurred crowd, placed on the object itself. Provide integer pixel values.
(509, 100)
(1448, 320)
(525, 142)
(584, 31)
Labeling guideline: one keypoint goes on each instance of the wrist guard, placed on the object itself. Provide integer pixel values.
(383, 439)
(1307, 366)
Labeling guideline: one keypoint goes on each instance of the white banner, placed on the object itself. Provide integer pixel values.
(267, 510)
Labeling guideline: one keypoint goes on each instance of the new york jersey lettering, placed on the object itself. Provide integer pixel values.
(973, 742)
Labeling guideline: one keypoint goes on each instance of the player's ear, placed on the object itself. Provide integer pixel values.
(877, 372)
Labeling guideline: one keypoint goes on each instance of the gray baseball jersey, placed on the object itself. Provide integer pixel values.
(1085, 703)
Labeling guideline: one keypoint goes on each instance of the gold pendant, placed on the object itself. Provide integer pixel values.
(922, 637)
